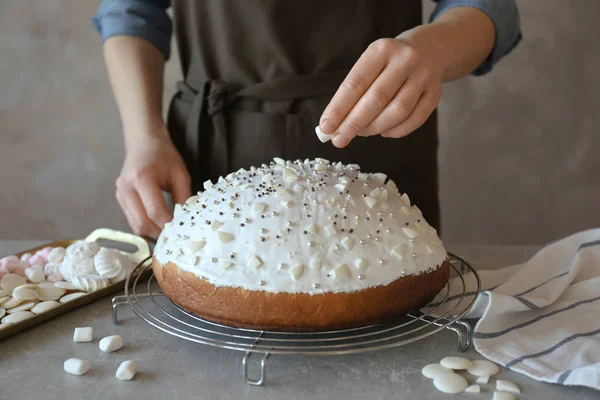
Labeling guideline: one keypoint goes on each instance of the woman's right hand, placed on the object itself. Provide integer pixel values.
(151, 165)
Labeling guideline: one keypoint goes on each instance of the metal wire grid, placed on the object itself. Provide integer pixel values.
(149, 303)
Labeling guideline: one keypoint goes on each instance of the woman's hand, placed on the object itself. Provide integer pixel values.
(391, 91)
(151, 166)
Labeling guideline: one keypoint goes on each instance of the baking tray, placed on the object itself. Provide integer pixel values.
(107, 238)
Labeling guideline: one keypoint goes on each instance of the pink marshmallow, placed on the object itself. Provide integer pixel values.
(55, 277)
(11, 265)
(37, 259)
(4, 270)
(19, 271)
(44, 252)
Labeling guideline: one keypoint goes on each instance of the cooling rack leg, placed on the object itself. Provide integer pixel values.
(463, 331)
(116, 302)
(263, 369)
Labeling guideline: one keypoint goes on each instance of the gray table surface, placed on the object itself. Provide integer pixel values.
(31, 363)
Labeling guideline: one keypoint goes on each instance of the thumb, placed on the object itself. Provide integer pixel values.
(180, 185)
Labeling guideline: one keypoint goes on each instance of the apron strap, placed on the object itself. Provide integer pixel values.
(215, 96)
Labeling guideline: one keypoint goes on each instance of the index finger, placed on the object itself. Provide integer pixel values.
(154, 202)
(361, 76)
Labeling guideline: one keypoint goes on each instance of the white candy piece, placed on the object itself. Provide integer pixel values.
(35, 275)
(432, 371)
(3, 299)
(322, 136)
(76, 366)
(456, 363)
(2, 312)
(450, 383)
(17, 317)
(483, 380)
(473, 389)
(56, 255)
(65, 285)
(10, 281)
(83, 335)
(71, 297)
(111, 343)
(23, 293)
(504, 396)
(506, 386)
(296, 271)
(44, 306)
(483, 368)
(47, 293)
(11, 303)
(22, 307)
(126, 370)
(4, 293)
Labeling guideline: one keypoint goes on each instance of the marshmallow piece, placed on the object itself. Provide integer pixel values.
(76, 366)
(196, 246)
(361, 264)
(504, 396)
(506, 386)
(315, 264)
(399, 251)
(483, 368)
(321, 166)
(411, 233)
(225, 237)
(207, 185)
(342, 272)
(177, 209)
(22, 307)
(257, 208)
(226, 264)
(278, 160)
(450, 383)
(56, 255)
(254, 262)
(330, 230)
(111, 343)
(17, 317)
(312, 229)
(379, 177)
(83, 335)
(71, 297)
(216, 225)
(370, 201)
(11, 281)
(283, 192)
(483, 380)
(473, 389)
(192, 200)
(24, 257)
(44, 306)
(35, 275)
(341, 187)
(324, 138)
(126, 370)
(296, 271)
(23, 293)
(432, 371)
(456, 363)
(347, 243)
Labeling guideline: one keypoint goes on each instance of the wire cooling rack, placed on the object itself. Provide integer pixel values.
(148, 302)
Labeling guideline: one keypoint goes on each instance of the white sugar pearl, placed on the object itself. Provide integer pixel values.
(111, 343)
(76, 366)
(126, 370)
(506, 386)
(456, 363)
(35, 275)
(431, 371)
(504, 396)
(483, 368)
(17, 317)
(83, 335)
(473, 389)
(11, 281)
(483, 380)
(450, 383)
(22, 293)
(44, 306)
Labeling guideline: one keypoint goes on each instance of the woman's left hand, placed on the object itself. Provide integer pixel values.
(391, 91)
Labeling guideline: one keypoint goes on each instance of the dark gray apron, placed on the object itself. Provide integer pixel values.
(259, 73)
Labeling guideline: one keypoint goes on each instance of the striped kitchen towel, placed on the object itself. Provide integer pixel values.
(542, 318)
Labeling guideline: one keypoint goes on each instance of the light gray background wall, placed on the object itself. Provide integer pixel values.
(519, 148)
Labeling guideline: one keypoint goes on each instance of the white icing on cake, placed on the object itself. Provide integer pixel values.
(306, 226)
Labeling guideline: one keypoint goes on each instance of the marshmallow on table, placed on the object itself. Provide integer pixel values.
(473, 389)
(111, 343)
(483, 380)
(126, 370)
(83, 335)
(76, 366)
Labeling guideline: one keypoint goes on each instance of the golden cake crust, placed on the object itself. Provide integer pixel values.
(264, 310)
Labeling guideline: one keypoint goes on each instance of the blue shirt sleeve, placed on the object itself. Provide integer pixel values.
(504, 14)
(146, 19)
